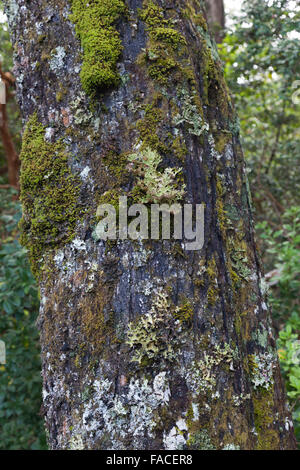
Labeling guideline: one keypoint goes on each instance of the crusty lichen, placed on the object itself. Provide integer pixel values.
(100, 41)
(49, 194)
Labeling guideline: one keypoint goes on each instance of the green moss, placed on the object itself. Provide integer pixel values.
(100, 41)
(184, 312)
(110, 197)
(222, 219)
(198, 19)
(153, 16)
(213, 290)
(59, 96)
(179, 148)
(161, 70)
(164, 40)
(221, 140)
(148, 127)
(116, 164)
(168, 35)
(49, 194)
(263, 403)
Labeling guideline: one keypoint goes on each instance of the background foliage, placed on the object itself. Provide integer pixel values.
(261, 62)
(21, 425)
(20, 380)
(13, 111)
(262, 67)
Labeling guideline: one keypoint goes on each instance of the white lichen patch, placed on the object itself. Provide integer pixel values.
(129, 414)
(262, 370)
(161, 387)
(195, 408)
(76, 442)
(174, 440)
(56, 62)
(200, 375)
(231, 447)
(85, 173)
(78, 244)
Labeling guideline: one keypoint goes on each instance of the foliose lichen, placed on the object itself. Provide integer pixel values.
(156, 185)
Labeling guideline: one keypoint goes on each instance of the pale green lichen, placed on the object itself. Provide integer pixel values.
(231, 447)
(57, 59)
(156, 335)
(81, 115)
(190, 116)
(155, 186)
(201, 374)
(76, 442)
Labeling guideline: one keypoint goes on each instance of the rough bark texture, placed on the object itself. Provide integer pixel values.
(145, 345)
(216, 17)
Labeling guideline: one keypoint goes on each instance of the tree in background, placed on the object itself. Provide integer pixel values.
(11, 155)
(216, 18)
(261, 56)
(9, 115)
(144, 345)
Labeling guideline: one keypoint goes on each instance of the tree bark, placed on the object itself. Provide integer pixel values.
(145, 345)
(216, 18)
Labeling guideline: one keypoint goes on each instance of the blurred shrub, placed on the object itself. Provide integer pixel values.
(21, 426)
(283, 246)
(261, 62)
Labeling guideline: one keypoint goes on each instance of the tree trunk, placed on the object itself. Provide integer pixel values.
(216, 18)
(145, 345)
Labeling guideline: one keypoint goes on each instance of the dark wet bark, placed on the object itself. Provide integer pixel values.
(145, 345)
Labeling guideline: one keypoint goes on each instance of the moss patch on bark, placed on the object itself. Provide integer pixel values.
(49, 194)
(101, 43)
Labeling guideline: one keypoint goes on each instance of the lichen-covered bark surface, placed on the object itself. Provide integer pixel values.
(145, 345)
